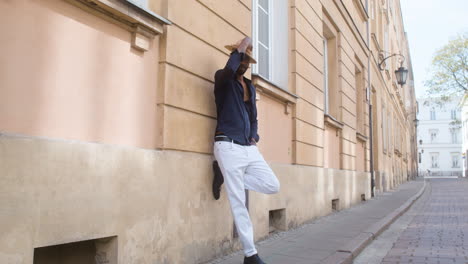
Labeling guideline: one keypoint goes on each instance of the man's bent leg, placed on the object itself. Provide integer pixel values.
(232, 162)
(258, 176)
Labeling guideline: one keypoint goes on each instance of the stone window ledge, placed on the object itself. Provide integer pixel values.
(142, 23)
(331, 121)
(361, 137)
(267, 88)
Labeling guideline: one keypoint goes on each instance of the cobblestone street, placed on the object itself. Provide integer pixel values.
(436, 230)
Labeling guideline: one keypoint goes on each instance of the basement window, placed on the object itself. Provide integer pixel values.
(335, 205)
(95, 251)
(277, 220)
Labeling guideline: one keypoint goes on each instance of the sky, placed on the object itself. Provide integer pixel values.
(430, 24)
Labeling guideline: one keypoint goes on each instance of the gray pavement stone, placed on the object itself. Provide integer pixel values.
(433, 231)
(319, 240)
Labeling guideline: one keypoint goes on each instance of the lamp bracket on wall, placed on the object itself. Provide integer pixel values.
(402, 73)
(393, 55)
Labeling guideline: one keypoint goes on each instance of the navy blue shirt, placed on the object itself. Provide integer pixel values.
(234, 120)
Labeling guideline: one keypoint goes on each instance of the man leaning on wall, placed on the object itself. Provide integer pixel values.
(238, 160)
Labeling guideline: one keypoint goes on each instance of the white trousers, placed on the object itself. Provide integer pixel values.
(243, 167)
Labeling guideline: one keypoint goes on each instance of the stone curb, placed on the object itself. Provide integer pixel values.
(348, 252)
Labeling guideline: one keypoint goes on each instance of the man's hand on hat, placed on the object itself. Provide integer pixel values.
(245, 44)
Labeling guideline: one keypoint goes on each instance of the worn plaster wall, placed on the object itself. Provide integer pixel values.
(158, 203)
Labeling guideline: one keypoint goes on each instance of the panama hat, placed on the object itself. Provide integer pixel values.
(248, 52)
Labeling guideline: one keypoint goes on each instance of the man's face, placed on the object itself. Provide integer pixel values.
(244, 66)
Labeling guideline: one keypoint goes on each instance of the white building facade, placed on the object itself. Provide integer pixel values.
(464, 122)
(439, 138)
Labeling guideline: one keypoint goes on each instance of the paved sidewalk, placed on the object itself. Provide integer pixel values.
(338, 237)
(438, 231)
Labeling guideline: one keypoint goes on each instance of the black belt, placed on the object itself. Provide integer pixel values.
(227, 139)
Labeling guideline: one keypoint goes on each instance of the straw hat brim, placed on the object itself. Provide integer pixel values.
(248, 53)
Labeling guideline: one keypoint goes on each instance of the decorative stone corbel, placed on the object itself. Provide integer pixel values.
(142, 23)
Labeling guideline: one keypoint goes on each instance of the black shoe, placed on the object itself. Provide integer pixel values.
(217, 180)
(255, 259)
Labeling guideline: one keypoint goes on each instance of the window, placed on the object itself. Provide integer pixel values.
(433, 114)
(419, 157)
(330, 76)
(270, 41)
(386, 44)
(434, 160)
(455, 160)
(454, 133)
(384, 128)
(390, 132)
(454, 114)
(433, 133)
(359, 83)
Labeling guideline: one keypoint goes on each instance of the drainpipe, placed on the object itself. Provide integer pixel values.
(369, 100)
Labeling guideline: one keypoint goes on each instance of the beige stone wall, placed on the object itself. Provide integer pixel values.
(400, 108)
(158, 203)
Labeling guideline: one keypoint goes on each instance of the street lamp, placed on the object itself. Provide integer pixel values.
(401, 74)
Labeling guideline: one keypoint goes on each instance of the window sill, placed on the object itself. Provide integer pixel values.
(361, 137)
(331, 121)
(142, 23)
(269, 89)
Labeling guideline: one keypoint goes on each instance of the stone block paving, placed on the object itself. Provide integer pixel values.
(320, 239)
(439, 233)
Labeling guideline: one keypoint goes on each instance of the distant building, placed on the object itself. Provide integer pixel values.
(464, 123)
(439, 134)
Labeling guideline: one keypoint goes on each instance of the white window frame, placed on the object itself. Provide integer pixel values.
(433, 133)
(453, 114)
(454, 134)
(455, 159)
(434, 160)
(433, 114)
(278, 60)
(256, 42)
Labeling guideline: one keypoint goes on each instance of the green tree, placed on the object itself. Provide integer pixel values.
(449, 70)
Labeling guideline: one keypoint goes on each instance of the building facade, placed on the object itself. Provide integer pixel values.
(439, 134)
(394, 107)
(107, 119)
(463, 106)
